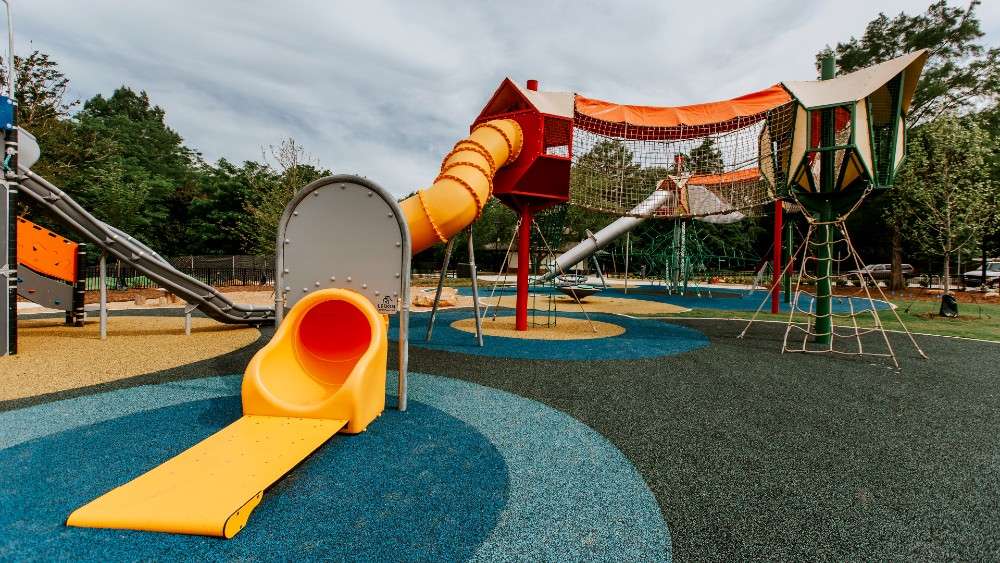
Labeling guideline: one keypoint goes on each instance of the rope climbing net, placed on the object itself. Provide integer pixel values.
(698, 170)
(852, 326)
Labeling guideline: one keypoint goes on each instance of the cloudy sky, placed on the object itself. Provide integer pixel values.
(384, 89)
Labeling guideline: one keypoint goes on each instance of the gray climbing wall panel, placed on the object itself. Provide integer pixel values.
(47, 292)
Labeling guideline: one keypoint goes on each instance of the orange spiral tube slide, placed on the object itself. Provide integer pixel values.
(464, 185)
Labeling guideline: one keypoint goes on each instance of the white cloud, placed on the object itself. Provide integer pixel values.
(384, 88)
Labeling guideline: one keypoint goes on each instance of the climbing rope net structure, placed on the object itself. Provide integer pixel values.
(856, 327)
(695, 161)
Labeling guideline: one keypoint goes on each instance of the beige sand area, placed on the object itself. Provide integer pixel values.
(593, 304)
(566, 328)
(54, 357)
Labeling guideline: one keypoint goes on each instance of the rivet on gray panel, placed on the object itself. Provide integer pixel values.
(288, 288)
(286, 270)
(317, 284)
(364, 286)
(333, 278)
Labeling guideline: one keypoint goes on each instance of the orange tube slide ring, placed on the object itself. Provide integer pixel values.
(464, 184)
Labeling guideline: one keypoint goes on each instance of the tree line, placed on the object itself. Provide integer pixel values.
(118, 158)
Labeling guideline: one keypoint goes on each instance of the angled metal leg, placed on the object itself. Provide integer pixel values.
(437, 294)
(103, 306)
(475, 290)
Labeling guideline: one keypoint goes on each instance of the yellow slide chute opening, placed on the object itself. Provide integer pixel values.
(464, 184)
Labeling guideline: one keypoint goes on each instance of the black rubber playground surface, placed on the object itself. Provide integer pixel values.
(754, 454)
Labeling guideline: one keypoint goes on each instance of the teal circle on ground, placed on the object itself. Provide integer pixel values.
(643, 338)
(468, 472)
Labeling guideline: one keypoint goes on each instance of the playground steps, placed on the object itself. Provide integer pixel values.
(211, 488)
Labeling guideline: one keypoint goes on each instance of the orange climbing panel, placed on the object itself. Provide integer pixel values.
(322, 372)
(45, 252)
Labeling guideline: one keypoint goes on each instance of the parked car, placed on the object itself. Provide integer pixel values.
(878, 272)
(974, 277)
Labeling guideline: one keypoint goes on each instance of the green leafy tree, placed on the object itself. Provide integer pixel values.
(282, 172)
(960, 75)
(948, 197)
(218, 222)
(41, 91)
(43, 108)
(706, 158)
(136, 145)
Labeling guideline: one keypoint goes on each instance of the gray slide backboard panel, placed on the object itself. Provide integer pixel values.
(341, 233)
(45, 291)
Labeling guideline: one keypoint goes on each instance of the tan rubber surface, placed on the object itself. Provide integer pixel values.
(53, 357)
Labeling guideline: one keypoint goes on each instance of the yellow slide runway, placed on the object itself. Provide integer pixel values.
(212, 488)
(322, 372)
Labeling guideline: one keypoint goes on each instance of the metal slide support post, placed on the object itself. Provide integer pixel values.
(475, 290)
(523, 266)
(824, 320)
(188, 309)
(776, 266)
(404, 346)
(437, 294)
(103, 304)
(600, 274)
(789, 235)
(8, 271)
(628, 244)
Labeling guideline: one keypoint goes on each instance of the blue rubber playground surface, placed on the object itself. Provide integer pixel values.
(641, 339)
(450, 479)
(700, 298)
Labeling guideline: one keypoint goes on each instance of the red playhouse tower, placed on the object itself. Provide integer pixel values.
(539, 177)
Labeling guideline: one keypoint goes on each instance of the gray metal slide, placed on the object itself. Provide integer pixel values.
(596, 241)
(129, 250)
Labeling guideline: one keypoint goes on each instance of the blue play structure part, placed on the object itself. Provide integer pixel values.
(642, 339)
(547, 488)
(6, 113)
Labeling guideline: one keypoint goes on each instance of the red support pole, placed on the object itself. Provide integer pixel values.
(523, 268)
(776, 264)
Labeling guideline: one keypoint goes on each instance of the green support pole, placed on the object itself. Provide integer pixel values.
(824, 322)
(789, 268)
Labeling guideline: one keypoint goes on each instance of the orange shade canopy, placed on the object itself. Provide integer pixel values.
(680, 122)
